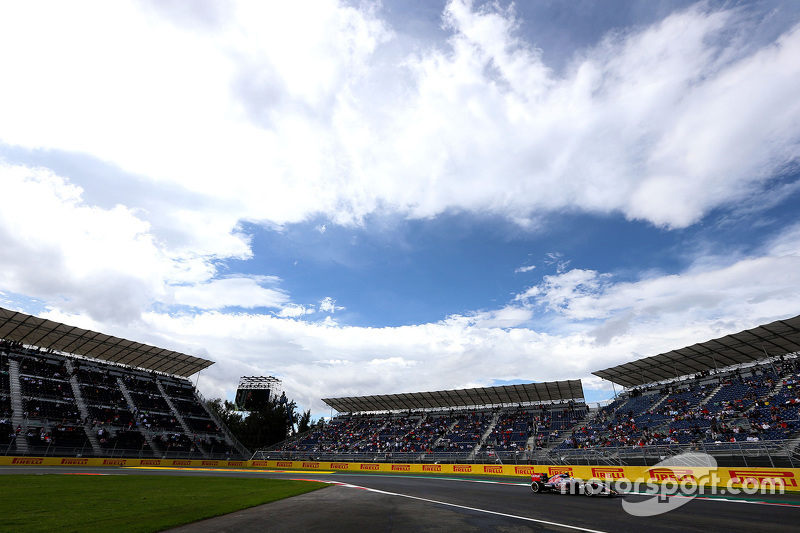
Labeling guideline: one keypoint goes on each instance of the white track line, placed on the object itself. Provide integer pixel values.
(465, 507)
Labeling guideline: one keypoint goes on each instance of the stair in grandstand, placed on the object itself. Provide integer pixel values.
(711, 395)
(180, 419)
(561, 438)
(658, 403)
(229, 438)
(762, 397)
(776, 389)
(530, 444)
(16, 404)
(147, 434)
(84, 410)
(368, 437)
(420, 421)
(438, 442)
(486, 434)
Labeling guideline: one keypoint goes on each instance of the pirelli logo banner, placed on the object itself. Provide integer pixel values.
(27, 460)
(764, 476)
(784, 477)
(676, 474)
(74, 461)
(607, 472)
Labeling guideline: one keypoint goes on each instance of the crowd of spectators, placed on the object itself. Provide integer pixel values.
(512, 430)
(467, 431)
(455, 431)
(744, 405)
(7, 432)
(52, 416)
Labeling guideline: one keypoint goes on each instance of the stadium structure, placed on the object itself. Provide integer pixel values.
(255, 391)
(68, 392)
(736, 397)
(71, 392)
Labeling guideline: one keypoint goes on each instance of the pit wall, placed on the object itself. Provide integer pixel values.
(734, 477)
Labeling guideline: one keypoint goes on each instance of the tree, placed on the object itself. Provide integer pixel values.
(272, 423)
(304, 423)
(226, 411)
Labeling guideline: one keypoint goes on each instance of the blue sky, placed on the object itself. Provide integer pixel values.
(365, 198)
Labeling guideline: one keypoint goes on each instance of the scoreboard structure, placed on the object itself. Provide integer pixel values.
(255, 392)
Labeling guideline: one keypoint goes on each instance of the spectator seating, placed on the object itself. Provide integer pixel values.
(53, 420)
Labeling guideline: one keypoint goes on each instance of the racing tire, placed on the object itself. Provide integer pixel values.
(536, 487)
(591, 489)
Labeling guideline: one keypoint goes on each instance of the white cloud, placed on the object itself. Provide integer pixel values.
(715, 293)
(247, 292)
(558, 292)
(101, 261)
(294, 311)
(590, 322)
(328, 305)
(523, 269)
(108, 262)
(279, 113)
(507, 317)
(320, 110)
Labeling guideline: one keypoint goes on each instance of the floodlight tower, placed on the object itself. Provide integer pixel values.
(255, 391)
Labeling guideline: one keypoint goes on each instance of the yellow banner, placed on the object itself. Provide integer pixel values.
(732, 477)
(92, 461)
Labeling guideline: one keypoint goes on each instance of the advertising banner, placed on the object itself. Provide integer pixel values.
(718, 476)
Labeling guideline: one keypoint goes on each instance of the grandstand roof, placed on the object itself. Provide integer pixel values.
(507, 394)
(47, 334)
(770, 340)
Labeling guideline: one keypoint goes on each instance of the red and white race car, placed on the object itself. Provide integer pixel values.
(566, 484)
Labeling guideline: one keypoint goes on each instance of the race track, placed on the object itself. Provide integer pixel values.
(375, 502)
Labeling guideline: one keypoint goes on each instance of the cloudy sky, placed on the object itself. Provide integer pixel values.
(366, 198)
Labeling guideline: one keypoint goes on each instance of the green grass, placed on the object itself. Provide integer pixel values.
(41, 503)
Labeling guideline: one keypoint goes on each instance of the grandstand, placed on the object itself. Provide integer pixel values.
(466, 425)
(736, 397)
(66, 391)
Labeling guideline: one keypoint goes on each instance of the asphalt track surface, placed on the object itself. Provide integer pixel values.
(376, 502)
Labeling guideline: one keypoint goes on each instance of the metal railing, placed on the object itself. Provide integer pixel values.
(113, 452)
(776, 453)
(440, 457)
(780, 453)
(244, 452)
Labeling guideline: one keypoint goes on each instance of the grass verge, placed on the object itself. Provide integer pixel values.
(65, 503)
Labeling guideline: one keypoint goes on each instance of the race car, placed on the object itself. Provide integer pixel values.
(566, 484)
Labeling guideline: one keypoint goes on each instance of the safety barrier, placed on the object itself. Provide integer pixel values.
(722, 476)
(118, 461)
(788, 477)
